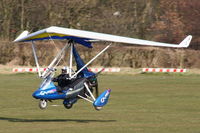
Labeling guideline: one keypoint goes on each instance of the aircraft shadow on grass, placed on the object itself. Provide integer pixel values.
(52, 120)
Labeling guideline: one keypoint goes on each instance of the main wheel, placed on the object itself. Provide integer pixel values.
(43, 104)
(68, 106)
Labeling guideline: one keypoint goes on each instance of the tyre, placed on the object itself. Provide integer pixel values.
(68, 106)
(43, 104)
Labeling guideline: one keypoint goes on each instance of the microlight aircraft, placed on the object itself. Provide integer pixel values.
(83, 83)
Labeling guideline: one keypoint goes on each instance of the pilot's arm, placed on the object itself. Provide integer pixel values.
(55, 79)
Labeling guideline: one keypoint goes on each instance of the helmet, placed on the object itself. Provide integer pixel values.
(65, 69)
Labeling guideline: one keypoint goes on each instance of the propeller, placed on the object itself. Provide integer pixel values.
(96, 88)
(95, 82)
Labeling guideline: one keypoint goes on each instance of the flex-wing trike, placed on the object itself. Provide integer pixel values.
(83, 83)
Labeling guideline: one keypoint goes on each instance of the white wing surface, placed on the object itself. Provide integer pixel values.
(86, 37)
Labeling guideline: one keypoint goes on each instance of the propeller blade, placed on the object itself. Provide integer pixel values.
(97, 89)
(99, 72)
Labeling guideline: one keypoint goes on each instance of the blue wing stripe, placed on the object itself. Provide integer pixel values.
(82, 41)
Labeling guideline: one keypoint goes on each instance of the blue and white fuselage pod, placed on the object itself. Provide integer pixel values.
(48, 91)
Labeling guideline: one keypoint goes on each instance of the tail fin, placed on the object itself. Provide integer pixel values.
(102, 100)
(186, 42)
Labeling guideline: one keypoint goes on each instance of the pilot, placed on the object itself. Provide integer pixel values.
(63, 79)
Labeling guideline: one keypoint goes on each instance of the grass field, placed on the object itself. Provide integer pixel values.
(143, 103)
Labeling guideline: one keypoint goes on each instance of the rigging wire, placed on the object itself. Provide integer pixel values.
(52, 42)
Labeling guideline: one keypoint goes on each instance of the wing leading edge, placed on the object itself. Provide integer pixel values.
(87, 37)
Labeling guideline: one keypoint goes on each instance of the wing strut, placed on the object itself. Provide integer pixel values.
(70, 60)
(90, 61)
(36, 59)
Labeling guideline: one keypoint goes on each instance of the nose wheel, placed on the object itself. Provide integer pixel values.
(43, 104)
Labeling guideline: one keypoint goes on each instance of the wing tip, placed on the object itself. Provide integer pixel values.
(186, 42)
(22, 35)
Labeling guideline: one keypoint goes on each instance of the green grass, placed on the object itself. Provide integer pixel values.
(142, 103)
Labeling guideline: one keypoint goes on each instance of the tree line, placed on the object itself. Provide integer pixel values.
(160, 20)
